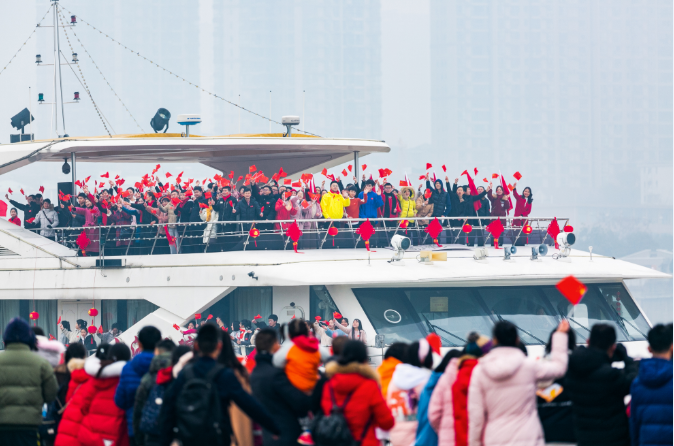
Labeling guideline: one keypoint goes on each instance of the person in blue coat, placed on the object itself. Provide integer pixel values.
(370, 206)
(133, 371)
(651, 406)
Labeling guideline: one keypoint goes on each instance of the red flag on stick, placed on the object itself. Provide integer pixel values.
(473, 190)
(572, 289)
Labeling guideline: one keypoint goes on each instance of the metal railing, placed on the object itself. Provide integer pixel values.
(118, 240)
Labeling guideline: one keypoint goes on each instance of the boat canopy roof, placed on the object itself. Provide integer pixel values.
(268, 152)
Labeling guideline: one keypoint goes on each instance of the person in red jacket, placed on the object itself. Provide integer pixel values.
(522, 204)
(14, 217)
(69, 426)
(103, 422)
(352, 378)
(284, 211)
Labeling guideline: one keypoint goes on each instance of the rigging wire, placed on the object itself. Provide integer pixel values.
(101, 73)
(183, 79)
(24, 43)
(85, 86)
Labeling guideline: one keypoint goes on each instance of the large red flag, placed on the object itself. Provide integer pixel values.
(473, 191)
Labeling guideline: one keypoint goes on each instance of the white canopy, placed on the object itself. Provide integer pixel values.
(224, 153)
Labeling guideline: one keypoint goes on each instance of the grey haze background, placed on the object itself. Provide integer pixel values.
(575, 95)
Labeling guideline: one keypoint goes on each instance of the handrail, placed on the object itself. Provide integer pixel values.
(41, 249)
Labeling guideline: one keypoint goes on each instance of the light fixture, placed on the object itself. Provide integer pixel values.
(38, 59)
(22, 119)
(564, 240)
(40, 98)
(161, 119)
(75, 59)
(480, 254)
(508, 251)
(400, 244)
(77, 96)
(541, 250)
(66, 167)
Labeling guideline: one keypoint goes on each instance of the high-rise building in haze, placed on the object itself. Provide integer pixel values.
(539, 86)
(320, 60)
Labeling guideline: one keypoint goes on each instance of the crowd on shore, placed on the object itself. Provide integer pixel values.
(305, 383)
(214, 206)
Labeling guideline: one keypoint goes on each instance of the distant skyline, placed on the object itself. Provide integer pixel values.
(577, 96)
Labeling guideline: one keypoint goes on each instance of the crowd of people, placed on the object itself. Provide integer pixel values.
(213, 207)
(305, 383)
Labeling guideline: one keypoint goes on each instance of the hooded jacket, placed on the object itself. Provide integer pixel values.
(333, 204)
(438, 198)
(27, 382)
(46, 219)
(366, 404)
(597, 392)
(651, 405)
(285, 403)
(102, 421)
(408, 207)
(52, 350)
(403, 396)
(300, 357)
(502, 395)
(128, 384)
(71, 419)
(370, 206)
(385, 372)
(148, 380)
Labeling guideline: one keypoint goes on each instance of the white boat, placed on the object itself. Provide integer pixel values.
(399, 300)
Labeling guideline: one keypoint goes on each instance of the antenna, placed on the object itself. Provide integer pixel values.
(304, 101)
(269, 111)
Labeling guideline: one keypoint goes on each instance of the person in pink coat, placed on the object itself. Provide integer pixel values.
(502, 392)
(91, 214)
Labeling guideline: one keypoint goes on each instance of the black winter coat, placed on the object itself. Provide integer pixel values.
(485, 210)
(194, 211)
(229, 390)
(247, 211)
(284, 401)
(597, 392)
(268, 202)
(30, 210)
(438, 199)
(557, 416)
(224, 208)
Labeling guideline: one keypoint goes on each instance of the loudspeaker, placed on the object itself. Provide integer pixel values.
(66, 188)
(543, 249)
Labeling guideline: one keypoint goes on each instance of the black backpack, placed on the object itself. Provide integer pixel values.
(333, 430)
(199, 415)
(149, 420)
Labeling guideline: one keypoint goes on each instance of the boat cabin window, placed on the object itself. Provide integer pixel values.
(409, 314)
(321, 303)
(242, 303)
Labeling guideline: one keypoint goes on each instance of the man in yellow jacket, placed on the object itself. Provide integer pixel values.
(334, 202)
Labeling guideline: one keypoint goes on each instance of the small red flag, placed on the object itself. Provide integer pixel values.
(518, 176)
(572, 289)
(252, 168)
(345, 173)
(350, 167)
(475, 170)
(324, 172)
(428, 194)
(10, 191)
(337, 315)
(210, 316)
(363, 167)
(287, 181)
(239, 179)
(428, 166)
(41, 189)
(485, 180)
(203, 206)
(494, 175)
(231, 175)
(106, 175)
(176, 326)
(318, 318)
(421, 177)
(168, 175)
(197, 315)
(59, 321)
(86, 180)
(444, 168)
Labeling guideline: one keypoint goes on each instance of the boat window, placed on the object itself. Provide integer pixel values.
(523, 306)
(409, 314)
(391, 313)
(242, 303)
(451, 313)
(321, 303)
(625, 311)
(598, 306)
